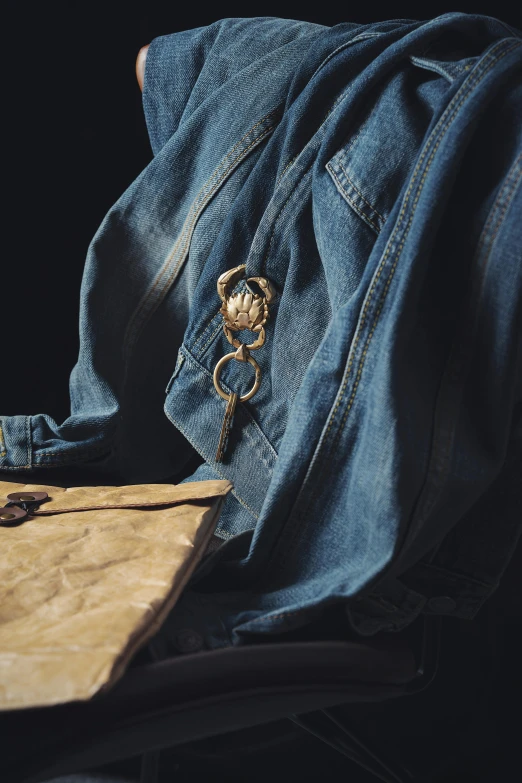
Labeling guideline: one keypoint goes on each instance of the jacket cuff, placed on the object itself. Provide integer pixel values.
(15, 443)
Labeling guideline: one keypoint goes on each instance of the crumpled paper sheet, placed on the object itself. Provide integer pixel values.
(81, 591)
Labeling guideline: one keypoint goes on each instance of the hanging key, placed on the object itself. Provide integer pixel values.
(227, 425)
(243, 310)
(241, 355)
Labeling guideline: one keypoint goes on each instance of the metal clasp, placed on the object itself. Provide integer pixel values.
(20, 506)
(241, 311)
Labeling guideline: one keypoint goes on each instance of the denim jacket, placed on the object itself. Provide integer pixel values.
(372, 174)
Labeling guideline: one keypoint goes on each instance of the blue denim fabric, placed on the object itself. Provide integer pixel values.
(372, 173)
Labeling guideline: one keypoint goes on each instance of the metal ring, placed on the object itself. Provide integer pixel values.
(217, 373)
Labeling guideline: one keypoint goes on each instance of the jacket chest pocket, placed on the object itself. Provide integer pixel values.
(371, 168)
(369, 172)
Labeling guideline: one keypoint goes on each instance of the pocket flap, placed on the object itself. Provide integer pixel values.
(372, 167)
(63, 499)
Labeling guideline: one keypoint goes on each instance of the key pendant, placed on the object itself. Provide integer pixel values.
(226, 427)
(242, 310)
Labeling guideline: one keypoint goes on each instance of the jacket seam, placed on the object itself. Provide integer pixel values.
(209, 325)
(434, 141)
(299, 179)
(450, 112)
(354, 186)
(29, 440)
(186, 234)
(359, 37)
(436, 66)
(3, 452)
(210, 340)
(351, 202)
(165, 275)
(506, 195)
(47, 454)
(286, 168)
(327, 116)
(303, 180)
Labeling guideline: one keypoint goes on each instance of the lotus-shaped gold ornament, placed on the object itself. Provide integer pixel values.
(245, 311)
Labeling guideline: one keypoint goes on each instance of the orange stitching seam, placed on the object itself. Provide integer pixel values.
(353, 185)
(2, 443)
(449, 110)
(351, 202)
(185, 236)
(209, 341)
(445, 123)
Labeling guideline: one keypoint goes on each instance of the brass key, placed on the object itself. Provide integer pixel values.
(225, 429)
(241, 355)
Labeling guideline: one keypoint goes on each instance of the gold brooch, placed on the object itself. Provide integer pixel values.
(240, 311)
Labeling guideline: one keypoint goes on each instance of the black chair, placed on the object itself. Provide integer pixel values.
(173, 702)
(188, 699)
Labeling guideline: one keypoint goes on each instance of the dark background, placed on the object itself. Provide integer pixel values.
(74, 138)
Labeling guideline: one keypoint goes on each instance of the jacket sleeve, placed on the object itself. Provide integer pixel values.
(201, 90)
(185, 69)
